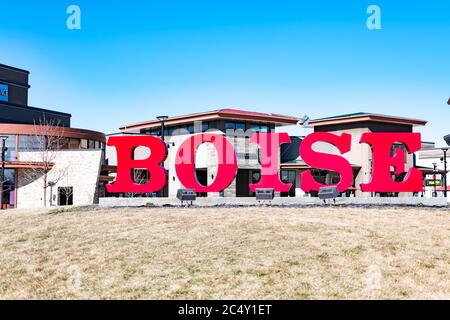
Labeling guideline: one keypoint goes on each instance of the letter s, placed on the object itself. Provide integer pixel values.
(326, 161)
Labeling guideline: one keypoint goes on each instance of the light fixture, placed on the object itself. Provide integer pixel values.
(162, 119)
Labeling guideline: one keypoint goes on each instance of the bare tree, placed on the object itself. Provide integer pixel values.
(67, 192)
(43, 145)
(140, 176)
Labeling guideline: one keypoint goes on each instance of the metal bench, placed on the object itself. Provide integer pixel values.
(330, 192)
(186, 195)
(264, 194)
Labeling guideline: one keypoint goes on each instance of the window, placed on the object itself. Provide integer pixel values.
(171, 130)
(212, 125)
(91, 144)
(74, 144)
(240, 126)
(400, 146)
(256, 176)
(288, 176)
(31, 143)
(10, 143)
(152, 132)
(235, 126)
(205, 126)
(84, 144)
(260, 128)
(9, 187)
(65, 196)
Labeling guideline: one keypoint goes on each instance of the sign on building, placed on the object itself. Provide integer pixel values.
(432, 180)
(3, 92)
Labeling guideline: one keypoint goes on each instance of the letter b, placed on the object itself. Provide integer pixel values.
(125, 147)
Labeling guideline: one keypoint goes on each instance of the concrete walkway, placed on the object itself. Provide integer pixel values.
(278, 201)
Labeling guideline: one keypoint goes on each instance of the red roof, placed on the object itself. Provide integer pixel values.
(364, 116)
(232, 114)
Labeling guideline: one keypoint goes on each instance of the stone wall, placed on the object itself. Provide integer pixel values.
(294, 201)
(79, 169)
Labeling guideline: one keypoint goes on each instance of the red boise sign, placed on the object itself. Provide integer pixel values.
(269, 144)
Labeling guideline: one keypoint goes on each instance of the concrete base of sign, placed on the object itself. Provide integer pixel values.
(278, 201)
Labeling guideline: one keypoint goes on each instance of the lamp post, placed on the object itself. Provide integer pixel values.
(162, 119)
(434, 178)
(445, 150)
(3, 167)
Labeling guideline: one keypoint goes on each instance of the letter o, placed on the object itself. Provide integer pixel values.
(227, 163)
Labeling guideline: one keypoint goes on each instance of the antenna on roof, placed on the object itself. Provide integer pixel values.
(304, 121)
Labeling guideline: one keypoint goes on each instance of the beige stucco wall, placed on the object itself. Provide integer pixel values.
(79, 169)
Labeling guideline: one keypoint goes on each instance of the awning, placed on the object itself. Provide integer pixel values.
(300, 164)
(27, 165)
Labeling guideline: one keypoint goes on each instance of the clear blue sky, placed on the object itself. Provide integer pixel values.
(134, 60)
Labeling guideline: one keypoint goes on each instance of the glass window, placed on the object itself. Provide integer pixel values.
(74, 144)
(181, 130)
(63, 143)
(91, 144)
(230, 126)
(205, 126)
(9, 187)
(84, 144)
(213, 124)
(10, 144)
(171, 130)
(31, 143)
(235, 126)
(240, 126)
(256, 176)
(260, 128)
(152, 132)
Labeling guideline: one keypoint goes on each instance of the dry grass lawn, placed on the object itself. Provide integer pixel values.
(262, 253)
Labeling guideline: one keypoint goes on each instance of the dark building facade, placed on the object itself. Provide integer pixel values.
(14, 106)
(24, 130)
